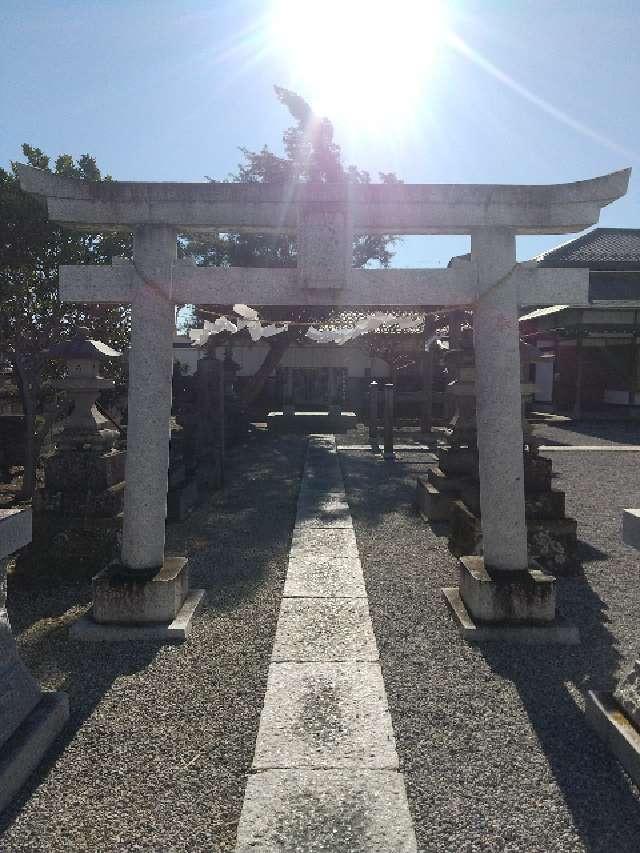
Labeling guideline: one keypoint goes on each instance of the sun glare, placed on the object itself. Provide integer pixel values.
(363, 63)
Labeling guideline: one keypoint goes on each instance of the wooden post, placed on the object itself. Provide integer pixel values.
(426, 408)
(577, 406)
(373, 413)
(388, 420)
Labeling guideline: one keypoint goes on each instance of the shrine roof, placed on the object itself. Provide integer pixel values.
(599, 249)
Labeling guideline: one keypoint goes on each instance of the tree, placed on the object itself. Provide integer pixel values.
(311, 156)
(32, 317)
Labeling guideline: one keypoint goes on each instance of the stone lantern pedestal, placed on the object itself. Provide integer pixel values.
(29, 720)
(451, 492)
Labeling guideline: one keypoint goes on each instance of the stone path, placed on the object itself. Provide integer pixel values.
(325, 766)
(635, 448)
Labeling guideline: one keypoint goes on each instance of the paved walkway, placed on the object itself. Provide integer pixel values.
(325, 766)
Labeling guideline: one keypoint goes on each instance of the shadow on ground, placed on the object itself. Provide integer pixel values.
(237, 542)
(434, 681)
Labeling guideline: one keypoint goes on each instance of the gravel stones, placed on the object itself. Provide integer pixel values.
(493, 743)
(161, 738)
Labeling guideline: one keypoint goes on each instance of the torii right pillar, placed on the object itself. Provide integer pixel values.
(502, 595)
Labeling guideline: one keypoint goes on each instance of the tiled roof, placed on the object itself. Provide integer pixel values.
(599, 249)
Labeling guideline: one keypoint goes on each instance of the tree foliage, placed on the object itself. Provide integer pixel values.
(311, 156)
(32, 318)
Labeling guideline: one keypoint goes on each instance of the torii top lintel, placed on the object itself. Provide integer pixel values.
(372, 208)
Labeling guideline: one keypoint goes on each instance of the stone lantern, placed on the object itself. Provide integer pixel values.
(451, 493)
(79, 508)
(85, 426)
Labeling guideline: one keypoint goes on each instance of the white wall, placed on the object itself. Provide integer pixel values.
(354, 359)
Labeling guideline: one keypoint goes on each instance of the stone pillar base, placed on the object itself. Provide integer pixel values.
(559, 631)
(26, 747)
(515, 597)
(127, 605)
(507, 606)
(122, 596)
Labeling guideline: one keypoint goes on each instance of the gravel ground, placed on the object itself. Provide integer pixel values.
(493, 742)
(161, 738)
(586, 432)
(360, 435)
(496, 752)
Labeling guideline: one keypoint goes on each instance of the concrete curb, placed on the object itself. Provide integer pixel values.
(614, 727)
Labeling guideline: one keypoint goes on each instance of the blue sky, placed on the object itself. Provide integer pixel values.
(535, 92)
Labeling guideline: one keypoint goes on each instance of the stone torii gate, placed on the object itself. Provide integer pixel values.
(146, 588)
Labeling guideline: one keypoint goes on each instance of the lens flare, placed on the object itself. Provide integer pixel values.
(363, 63)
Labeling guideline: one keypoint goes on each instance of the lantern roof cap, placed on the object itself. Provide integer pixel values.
(81, 346)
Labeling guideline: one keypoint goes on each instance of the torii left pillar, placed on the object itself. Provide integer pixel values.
(146, 594)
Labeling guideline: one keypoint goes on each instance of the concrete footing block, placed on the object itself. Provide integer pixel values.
(87, 629)
(559, 632)
(433, 505)
(631, 527)
(126, 597)
(26, 747)
(527, 596)
(605, 716)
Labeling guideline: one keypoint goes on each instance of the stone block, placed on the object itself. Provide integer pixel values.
(538, 471)
(627, 694)
(320, 629)
(325, 715)
(316, 510)
(19, 691)
(538, 504)
(459, 461)
(176, 631)
(22, 753)
(445, 482)
(511, 597)
(75, 545)
(15, 530)
(631, 527)
(432, 504)
(619, 733)
(355, 810)
(465, 532)
(556, 632)
(121, 597)
(323, 575)
(318, 543)
(553, 543)
(86, 470)
(463, 461)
